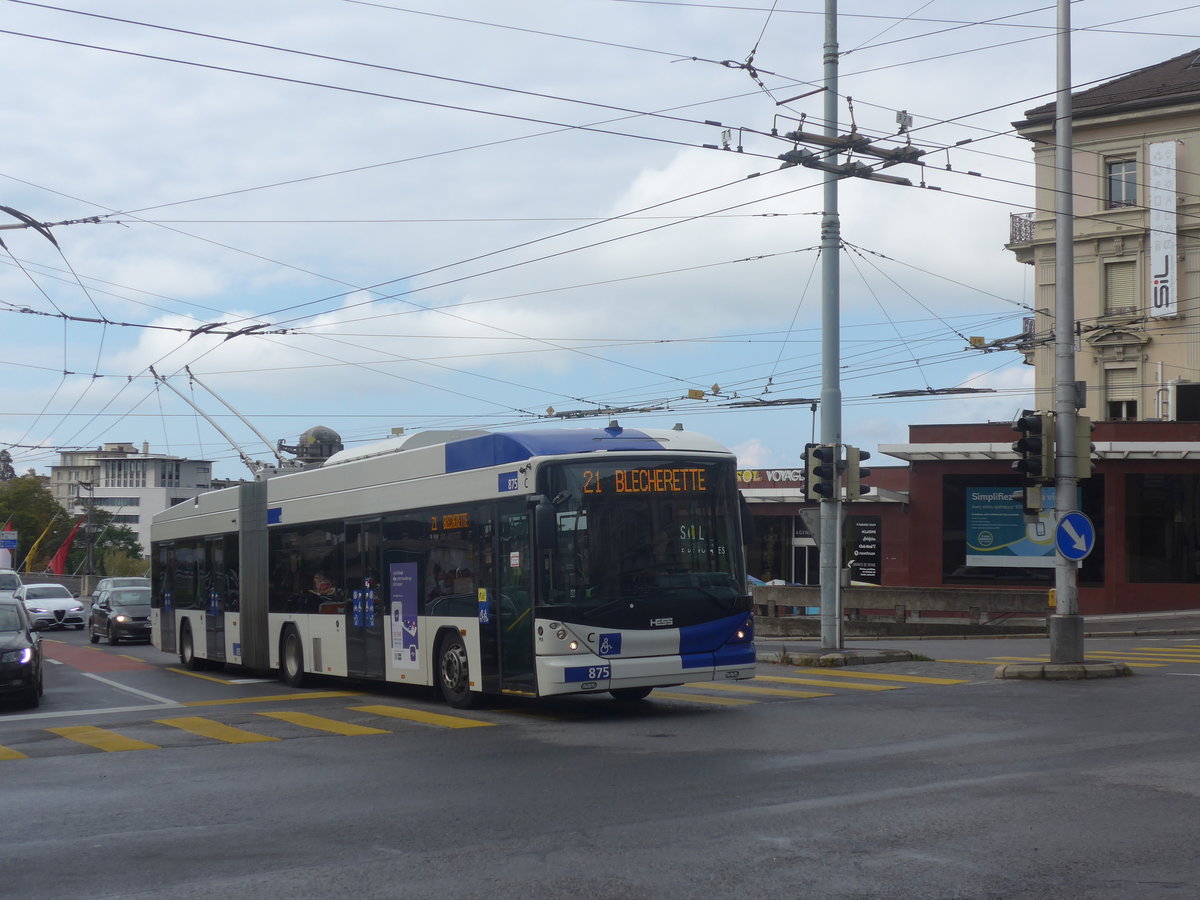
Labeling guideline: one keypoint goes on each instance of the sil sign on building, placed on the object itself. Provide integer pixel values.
(1160, 269)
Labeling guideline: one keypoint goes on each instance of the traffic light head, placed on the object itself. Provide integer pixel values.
(855, 473)
(1084, 446)
(1035, 447)
(822, 470)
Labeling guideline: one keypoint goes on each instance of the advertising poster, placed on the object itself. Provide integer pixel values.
(403, 581)
(999, 534)
(864, 550)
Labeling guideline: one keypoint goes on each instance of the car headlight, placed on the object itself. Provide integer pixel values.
(122, 618)
(22, 656)
(38, 609)
(76, 609)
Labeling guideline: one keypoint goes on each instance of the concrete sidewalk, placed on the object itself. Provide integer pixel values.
(807, 651)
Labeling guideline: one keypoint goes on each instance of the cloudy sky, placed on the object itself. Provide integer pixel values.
(465, 213)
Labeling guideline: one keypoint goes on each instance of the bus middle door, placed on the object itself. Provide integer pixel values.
(213, 584)
(366, 619)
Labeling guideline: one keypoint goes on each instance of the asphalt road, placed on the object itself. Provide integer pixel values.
(945, 783)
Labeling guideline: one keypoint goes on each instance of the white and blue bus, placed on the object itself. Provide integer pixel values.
(531, 563)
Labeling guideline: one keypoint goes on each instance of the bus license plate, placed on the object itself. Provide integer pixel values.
(588, 673)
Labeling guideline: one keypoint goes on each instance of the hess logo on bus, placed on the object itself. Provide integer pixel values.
(661, 623)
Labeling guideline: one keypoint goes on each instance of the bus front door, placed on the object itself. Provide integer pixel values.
(517, 673)
(365, 608)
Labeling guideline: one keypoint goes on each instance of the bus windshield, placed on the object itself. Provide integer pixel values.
(639, 542)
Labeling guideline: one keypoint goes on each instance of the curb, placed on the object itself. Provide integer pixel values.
(1064, 671)
(832, 658)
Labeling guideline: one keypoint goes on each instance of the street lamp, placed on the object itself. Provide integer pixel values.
(87, 528)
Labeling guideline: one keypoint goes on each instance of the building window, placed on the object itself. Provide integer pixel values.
(1161, 543)
(1122, 182)
(1121, 394)
(1120, 287)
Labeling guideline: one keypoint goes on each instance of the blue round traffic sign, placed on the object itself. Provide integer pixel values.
(1075, 536)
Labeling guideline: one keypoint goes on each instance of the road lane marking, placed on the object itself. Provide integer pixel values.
(9, 753)
(751, 689)
(216, 730)
(875, 676)
(426, 718)
(145, 695)
(101, 738)
(320, 723)
(819, 682)
(274, 698)
(698, 698)
(974, 662)
(212, 678)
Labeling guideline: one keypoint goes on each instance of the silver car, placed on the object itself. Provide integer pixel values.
(51, 606)
(9, 582)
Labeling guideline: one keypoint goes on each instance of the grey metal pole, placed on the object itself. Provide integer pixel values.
(831, 390)
(1066, 625)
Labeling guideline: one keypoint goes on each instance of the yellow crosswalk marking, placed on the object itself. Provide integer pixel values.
(1169, 651)
(1046, 658)
(751, 689)
(876, 676)
(1151, 657)
(9, 753)
(216, 730)
(315, 695)
(820, 682)
(698, 698)
(427, 718)
(101, 738)
(320, 723)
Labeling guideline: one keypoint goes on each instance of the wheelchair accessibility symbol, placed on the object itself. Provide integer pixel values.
(610, 644)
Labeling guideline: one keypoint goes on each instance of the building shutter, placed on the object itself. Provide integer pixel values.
(1120, 286)
(1121, 384)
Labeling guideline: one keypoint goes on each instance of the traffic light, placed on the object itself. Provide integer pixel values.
(1083, 446)
(855, 473)
(821, 464)
(1035, 448)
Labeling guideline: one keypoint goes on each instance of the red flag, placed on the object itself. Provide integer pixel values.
(58, 565)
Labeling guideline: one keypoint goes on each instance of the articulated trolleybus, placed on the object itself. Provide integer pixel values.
(532, 563)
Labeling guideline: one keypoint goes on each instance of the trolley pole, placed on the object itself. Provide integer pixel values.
(1066, 625)
(831, 390)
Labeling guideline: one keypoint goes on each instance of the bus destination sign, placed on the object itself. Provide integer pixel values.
(665, 480)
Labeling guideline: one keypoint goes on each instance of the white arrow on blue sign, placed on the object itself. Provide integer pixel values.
(1075, 536)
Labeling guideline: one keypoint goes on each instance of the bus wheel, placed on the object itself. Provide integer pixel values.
(291, 659)
(187, 650)
(454, 676)
(629, 694)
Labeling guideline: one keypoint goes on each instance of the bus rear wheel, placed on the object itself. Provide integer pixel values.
(187, 650)
(454, 676)
(626, 695)
(291, 659)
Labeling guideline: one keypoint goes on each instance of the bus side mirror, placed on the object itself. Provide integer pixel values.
(545, 524)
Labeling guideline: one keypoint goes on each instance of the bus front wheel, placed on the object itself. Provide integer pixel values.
(291, 659)
(454, 676)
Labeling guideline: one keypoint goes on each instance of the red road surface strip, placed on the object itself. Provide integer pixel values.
(88, 660)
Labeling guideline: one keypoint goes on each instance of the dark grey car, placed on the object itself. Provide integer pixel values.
(20, 654)
(121, 613)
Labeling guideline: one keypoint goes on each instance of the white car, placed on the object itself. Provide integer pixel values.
(51, 606)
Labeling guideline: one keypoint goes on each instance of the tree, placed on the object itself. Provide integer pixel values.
(7, 472)
(108, 540)
(31, 508)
